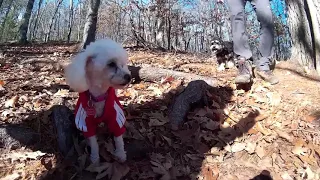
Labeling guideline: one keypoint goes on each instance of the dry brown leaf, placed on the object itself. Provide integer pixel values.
(251, 147)
(210, 173)
(157, 119)
(109, 146)
(237, 147)
(14, 176)
(313, 116)
(310, 118)
(261, 89)
(258, 98)
(167, 79)
(201, 112)
(286, 176)
(6, 113)
(99, 167)
(62, 93)
(119, 171)
(261, 117)
(193, 157)
(308, 174)
(231, 177)
(11, 102)
(175, 84)
(23, 98)
(23, 155)
(252, 131)
(260, 151)
(2, 83)
(212, 125)
(140, 86)
(82, 161)
(177, 171)
(284, 135)
(274, 98)
(157, 92)
(167, 139)
(158, 168)
(299, 150)
(261, 129)
(37, 103)
(186, 135)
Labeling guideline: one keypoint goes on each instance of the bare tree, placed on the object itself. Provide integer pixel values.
(25, 24)
(89, 33)
(70, 20)
(5, 18)
(47, 38)
(35, 27)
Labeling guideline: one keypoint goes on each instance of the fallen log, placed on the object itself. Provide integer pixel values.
(194, 94)
(14, 136)
(149, 73)
(63, 121)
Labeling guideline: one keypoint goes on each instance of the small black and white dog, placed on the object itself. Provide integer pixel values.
(223, 51)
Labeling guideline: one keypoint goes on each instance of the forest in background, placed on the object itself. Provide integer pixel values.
(182, 25)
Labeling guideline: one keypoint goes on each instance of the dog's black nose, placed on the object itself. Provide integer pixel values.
(127, 77)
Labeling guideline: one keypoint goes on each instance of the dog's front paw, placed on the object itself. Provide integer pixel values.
(121, 155)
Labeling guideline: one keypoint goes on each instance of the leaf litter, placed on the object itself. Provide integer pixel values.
(215, 142)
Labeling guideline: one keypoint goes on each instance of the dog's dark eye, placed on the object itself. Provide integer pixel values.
(112, 64)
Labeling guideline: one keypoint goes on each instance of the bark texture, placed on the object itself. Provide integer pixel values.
(25, 24)
(148, 74)
(303, 20)
(63, 120)
(89, 33)
(194, 93)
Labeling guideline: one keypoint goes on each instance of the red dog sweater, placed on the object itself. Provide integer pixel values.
(112, 116)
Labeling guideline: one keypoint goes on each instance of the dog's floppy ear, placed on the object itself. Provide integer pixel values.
(75, 73)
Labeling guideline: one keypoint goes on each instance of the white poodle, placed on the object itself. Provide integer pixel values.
(95, 73)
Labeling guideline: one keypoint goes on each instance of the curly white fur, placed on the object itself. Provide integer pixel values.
(93, 70)
(102, 51)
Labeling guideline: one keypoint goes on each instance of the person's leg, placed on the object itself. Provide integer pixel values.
(239, 37)
(264, 16)
(240, 41)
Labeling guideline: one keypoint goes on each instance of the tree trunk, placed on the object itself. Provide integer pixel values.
(35, 27)
(315, 29)
(70, 20)
(5, 19)
(79, 21)
(25, 24)
(52, 20)
(299, 27)
(1, 1)
(58, 26)
(169, 33)
(90, 27)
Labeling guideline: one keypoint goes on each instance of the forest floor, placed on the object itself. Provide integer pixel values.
(266, 130)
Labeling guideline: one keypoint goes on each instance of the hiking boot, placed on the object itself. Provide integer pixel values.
(244, 71)
(268, 76)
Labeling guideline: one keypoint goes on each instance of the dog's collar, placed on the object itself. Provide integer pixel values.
(102, 97)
